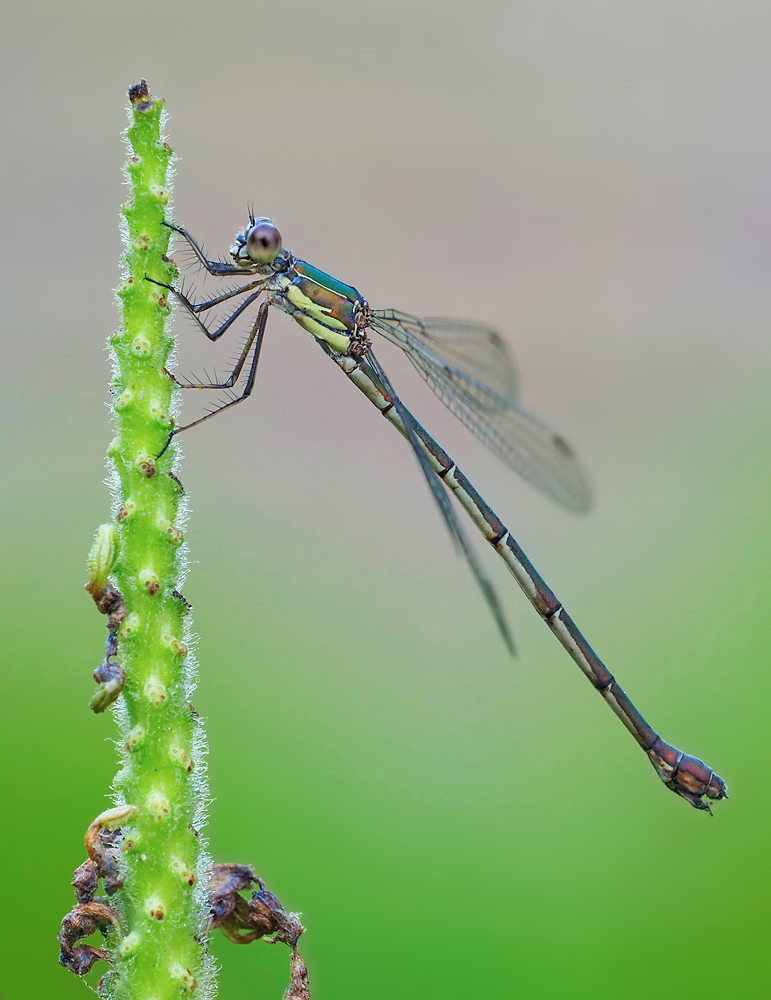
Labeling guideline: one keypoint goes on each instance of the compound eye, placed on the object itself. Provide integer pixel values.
(263, 242)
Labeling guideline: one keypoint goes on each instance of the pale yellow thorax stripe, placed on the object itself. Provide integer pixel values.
(337, 341)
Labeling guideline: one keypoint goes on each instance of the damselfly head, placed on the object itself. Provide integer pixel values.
(260, 243)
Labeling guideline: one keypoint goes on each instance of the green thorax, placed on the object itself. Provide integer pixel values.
(321, 304)
(327, 281)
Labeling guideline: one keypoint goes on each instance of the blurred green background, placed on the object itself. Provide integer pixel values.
(591, 177)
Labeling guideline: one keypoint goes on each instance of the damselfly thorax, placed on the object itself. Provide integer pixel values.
(332, 311)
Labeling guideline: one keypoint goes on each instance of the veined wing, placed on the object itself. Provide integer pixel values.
(476, 351)
(439, 350)
(375, 372)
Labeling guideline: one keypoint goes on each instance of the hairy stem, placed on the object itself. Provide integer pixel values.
(158, 955)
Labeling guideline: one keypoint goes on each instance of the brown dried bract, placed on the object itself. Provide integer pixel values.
(81, 922)
(109, 675)
(299, 988)
(225, 881)
(241, 920)
(101, 847)
(108, 600)
(90, 914)
(140, 97)
(85, 881)
(139, 92)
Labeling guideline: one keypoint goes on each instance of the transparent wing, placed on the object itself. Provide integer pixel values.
(440, 350)
(475, 350)
(375, 371)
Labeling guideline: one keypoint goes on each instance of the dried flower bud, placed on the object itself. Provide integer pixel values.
(298, 989)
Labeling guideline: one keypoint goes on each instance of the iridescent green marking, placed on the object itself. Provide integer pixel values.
(328, 281)
(323, 306)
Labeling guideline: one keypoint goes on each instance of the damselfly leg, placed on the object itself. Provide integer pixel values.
(194, 309)
(253, 344)
(219, 268)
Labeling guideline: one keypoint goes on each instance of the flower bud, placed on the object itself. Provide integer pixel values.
(102, 558)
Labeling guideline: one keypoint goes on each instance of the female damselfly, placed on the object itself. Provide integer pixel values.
(469, 367)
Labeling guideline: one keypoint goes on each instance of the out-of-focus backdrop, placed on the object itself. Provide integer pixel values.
(592, 178)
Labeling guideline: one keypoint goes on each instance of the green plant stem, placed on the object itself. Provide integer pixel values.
(162, 903)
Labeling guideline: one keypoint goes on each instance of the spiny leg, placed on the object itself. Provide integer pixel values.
(194, 308)
(235, 373)
(199, 307)
(255, 334)
(216, 267)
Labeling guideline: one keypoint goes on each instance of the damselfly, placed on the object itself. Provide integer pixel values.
(469, 367)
